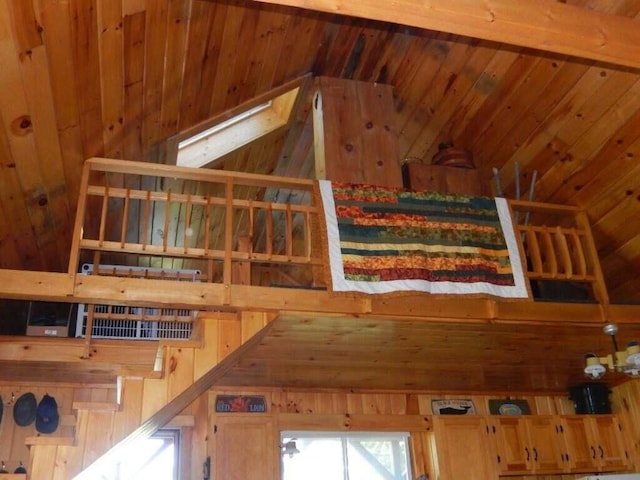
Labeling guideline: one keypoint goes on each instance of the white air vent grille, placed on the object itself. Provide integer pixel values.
(138, 323)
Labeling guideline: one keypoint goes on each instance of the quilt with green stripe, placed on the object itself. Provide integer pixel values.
(384, 240)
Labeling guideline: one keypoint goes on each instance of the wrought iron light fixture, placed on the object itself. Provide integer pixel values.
(625, 361)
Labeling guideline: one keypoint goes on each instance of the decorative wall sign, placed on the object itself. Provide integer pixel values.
(499, 406)
(453, 407)
(240, 404)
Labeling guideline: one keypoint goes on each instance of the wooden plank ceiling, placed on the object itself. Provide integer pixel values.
(117, 78)
(89, 78)
(304, 351)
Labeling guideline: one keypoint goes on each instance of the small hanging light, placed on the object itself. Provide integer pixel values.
(626, 361)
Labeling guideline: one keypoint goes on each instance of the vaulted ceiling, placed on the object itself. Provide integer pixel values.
(85, 78)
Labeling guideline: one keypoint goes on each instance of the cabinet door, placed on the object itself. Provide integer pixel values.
(546, 444)
(245, 446)
(580, 448)
(611, 455)
(512, 446)
(462, 448)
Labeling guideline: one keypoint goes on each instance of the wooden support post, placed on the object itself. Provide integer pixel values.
(241, 270)
(74, 257)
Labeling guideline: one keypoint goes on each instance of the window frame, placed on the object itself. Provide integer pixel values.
(345, 436)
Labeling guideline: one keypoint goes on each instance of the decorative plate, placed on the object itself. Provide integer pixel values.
(453, 407)
(508, 407)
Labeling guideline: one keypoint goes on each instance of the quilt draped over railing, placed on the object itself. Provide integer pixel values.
(384, 240)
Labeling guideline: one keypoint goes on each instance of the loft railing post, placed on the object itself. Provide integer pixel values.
(74, 257)
(591, 252)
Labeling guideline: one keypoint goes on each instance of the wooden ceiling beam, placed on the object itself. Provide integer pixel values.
(546, 25)
(60, 287)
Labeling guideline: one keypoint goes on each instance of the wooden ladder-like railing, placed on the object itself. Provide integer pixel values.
(175, 217)
(559, 245)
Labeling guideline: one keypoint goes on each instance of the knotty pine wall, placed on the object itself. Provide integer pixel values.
(96, 425)
(336, 411)
(91, 429)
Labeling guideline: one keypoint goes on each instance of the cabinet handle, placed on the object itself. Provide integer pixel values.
(526, 449)
(601, 451)
(535, 454)
(593, 452)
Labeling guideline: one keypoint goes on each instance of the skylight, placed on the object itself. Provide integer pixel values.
(214, 141)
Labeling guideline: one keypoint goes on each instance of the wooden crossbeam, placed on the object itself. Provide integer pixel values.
(546, 25)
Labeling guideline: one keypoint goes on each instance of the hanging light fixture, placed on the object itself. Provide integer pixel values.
(289, 448)
(625, 361)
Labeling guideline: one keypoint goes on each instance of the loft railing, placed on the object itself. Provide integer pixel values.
(558, 245)
(159, 216)
(218, 222)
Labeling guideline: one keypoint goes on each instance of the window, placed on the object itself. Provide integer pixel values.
(151, 458)
(345, 456)
(205, 144)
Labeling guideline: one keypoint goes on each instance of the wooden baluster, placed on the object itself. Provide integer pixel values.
(550, 260)
(145, 221)
(533, 249)
(103, 216)
(563, 250)
(269, 241)
(187, 224)
(228, 239)
(167, 215)
(288, 231)
(251, 227)
(307, 235)
(125, 219)
(207, 237)
(578, 255)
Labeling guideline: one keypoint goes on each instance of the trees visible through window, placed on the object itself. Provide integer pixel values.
(344, 456)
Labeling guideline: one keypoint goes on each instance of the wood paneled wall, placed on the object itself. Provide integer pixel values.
(339, 411)
(13, 438)
(97, 425)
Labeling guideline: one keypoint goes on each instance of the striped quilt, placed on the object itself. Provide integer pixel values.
(384, 240)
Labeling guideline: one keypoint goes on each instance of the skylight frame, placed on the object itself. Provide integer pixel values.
(210, 141)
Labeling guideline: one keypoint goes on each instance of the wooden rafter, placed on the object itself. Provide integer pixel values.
(546, 25)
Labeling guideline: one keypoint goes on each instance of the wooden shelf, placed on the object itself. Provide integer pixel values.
(96, 406)
(49, 440)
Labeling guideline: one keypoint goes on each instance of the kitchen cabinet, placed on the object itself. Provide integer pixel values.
(462, 448)
(528, 444)
(594, 443)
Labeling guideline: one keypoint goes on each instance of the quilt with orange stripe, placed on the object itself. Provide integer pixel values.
(384, 240)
